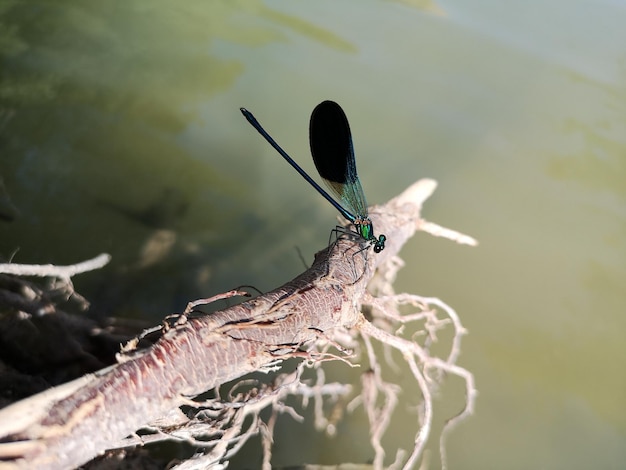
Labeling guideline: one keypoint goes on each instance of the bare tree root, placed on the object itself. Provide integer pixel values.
(317, 317)
(45, 336)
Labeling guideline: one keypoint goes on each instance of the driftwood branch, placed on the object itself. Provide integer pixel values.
(61, 276)
(307, 318)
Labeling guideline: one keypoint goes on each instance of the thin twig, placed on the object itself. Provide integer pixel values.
(51, 270)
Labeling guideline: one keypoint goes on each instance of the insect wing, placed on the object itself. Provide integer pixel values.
(333, 155)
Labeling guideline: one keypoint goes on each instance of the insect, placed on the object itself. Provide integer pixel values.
(333, 155)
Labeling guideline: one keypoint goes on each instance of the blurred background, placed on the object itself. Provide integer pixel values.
(120, 132)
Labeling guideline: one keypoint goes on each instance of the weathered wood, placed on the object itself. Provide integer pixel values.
(69, 425)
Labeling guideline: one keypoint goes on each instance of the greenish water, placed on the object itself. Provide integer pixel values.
(120, 132)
